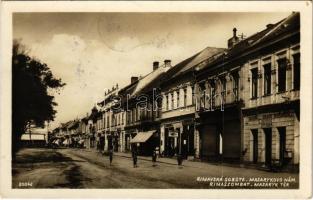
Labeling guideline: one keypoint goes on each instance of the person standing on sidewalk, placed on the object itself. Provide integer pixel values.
(111, 155)
(154, 157)
(134, 155)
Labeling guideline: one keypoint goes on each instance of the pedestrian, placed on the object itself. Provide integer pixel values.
(134, 155)
(154, 157)
(111, 156)
(179, 159)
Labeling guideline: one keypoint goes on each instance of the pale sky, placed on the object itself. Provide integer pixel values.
(91, 52)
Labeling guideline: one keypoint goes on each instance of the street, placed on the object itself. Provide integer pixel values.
(80, 168)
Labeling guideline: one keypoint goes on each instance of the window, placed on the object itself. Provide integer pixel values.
(223, 89)
(167, 102)
(134, 115)
(193, 95)
(254, 90)
(212, 99)
(296, 71)
(185, 97)
(235, 85)
(178, 99)
(282, 64)
(267, 79)
(172, 101)
(203, 97)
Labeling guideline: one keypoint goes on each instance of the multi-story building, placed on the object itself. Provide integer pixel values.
(111, 121)
(178, 105)
(248, 98)
(271, 114)
(142, 102)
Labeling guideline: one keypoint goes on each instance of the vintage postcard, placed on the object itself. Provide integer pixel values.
(156, 99)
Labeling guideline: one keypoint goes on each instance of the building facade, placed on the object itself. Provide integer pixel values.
(178, 106)
(248, 99)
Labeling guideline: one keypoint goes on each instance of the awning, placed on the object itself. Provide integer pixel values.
(33, 137)
(142, 137)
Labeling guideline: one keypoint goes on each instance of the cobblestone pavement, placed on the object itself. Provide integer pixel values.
(80, 168)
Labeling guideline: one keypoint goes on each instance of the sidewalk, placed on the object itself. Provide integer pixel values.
(173, 161)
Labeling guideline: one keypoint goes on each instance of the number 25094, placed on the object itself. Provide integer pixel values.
(25, 184)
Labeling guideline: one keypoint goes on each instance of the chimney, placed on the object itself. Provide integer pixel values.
(233, 40)
(167, 63)
(155, 65)
(234, 32)
(133, 79)
(269, 25)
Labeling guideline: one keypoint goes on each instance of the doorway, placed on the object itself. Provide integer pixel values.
(282, 144)
(268, 146)
(255, 145)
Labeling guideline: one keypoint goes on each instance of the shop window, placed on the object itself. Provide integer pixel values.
(267, 79)
(282, 65)
(296, 71)
(254, 83)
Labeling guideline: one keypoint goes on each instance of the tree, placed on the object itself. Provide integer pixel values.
(32, 87)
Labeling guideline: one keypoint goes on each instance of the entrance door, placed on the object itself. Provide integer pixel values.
(255, 145)
(209, 141)
(268, 146)
(127, 142)
(191, 140)
(282, 144)
(169, 144)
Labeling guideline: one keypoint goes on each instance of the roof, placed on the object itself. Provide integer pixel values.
(144, 84)
(65, 125)
(292, 22)
(73, 125)
(197, 59)
(150, 80)
(275, 30)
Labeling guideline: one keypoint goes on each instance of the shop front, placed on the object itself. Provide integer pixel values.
(146, 142)
(220, 135)
(179, 139)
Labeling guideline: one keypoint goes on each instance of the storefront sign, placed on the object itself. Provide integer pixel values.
(173, 134)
